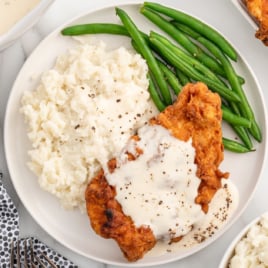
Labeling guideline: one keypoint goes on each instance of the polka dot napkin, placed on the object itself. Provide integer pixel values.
(9, 232)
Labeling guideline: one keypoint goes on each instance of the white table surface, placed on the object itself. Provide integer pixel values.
(221, 14)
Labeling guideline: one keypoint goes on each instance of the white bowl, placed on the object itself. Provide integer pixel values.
(24, 24)
(231, 249)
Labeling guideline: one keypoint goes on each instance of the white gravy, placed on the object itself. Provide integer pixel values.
(158, 189)
(11, 11)
(221, 209)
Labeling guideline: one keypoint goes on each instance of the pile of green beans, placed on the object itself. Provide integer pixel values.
(195, 52)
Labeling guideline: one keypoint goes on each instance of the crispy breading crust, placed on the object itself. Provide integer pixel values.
(108, 220)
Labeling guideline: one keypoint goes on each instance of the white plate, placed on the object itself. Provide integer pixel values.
(71, 228)
(230, 251)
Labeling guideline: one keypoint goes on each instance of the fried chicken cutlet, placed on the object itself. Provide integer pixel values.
(195, 116)
(258, 9)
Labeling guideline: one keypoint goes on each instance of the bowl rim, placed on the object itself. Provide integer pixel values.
(24, 24)
(230, 250)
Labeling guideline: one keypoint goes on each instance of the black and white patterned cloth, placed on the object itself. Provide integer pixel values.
(9, 231)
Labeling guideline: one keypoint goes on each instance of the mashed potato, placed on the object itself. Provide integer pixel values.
(82, 114)
(252, 250)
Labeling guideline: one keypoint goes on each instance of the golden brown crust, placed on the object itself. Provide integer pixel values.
(108, 220)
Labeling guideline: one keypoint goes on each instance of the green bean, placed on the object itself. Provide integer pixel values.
(255, 131)
(233, 118)
(146, 53)
(197, 25)
(185, 29)
(182, 77)
(241, 79)
(95, 28)
(168, 74)
(182, 39)
(235, 146)
(171, 78)
(244, 105)
(243, 135)
(192, 73)
(241, 131)
(98, 28)
(186, 57)
(190, 32)
(154, 94)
